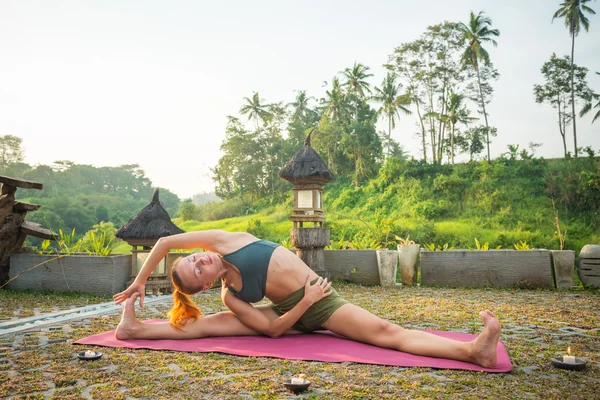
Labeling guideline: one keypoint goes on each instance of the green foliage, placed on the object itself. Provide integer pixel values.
(587, 107)
(339, 245)
(100, 240)
(522, 245)
(557, 92)
(77, 196)
(380, 236)
(44, 248)
(98, 244)
(213, 211)
(343, 132)
(256, 228)
(501, 203)
(102, 213)
(439, 247)
(10, 152)
(67, 243)
(251, 159)
(482, 247)
(187, 210)
(287, 243)
(404, 241)
(364, 243)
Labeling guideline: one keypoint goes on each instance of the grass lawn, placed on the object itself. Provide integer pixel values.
(538, 325)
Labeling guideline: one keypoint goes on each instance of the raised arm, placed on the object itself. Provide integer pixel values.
(253, 318)
(212, 240)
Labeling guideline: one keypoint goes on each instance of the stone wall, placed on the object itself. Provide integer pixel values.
(358, 266)
(99, 275)
(458, 268)
(498, 268)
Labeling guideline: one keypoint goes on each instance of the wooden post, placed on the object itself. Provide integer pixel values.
(309, 244)
(7, 201)
(13, 227)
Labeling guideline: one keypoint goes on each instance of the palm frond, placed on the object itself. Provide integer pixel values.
(573, 12)
(484, 55)
(585, 109)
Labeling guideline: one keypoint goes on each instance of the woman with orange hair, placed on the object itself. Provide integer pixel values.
(251, 269)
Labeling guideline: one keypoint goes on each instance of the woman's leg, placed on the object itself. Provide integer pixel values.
(358, 324)
(219, 324)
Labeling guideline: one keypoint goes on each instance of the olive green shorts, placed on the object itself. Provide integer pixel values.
(316, 315)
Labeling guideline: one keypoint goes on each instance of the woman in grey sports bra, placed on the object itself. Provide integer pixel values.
(251, 269)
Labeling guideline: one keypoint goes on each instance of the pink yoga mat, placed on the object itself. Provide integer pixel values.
(319, 346)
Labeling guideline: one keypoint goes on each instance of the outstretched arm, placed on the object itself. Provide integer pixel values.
(211, 240)
(254, 319)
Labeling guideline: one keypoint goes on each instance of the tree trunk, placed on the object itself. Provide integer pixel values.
(561, 126)
(271, 173)
(441, 141)
(452, 143)
(431, 123)
(573, 91)
(389, 144)
(441, 127)
(422, 130)
(487, 130)
(433, 144)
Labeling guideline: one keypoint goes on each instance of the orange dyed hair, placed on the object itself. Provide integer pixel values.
(184, 307)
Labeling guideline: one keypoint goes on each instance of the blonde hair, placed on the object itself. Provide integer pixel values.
(184, 307)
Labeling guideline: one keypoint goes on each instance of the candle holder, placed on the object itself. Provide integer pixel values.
(87, 355)
(578, 365)
(296, 387)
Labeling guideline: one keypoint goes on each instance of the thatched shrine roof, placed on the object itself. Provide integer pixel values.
(306, 167)
(149, 225)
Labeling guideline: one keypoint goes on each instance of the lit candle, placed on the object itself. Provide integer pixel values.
(89, 353)
(569, 359)
(299, 380)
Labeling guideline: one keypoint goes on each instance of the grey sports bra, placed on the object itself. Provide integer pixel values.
(252, 261)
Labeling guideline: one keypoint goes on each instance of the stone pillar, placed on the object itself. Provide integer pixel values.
(589, 265)
(309, 244)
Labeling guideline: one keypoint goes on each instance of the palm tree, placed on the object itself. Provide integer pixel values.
(477, 32)
(335, 101)
(254, 108)
(391, 102)
(456, 113)
(300, 105)
(586, 108)
(355, 79)
(573, 12)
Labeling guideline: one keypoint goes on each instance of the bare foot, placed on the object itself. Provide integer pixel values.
(484, 346)
(129, 324)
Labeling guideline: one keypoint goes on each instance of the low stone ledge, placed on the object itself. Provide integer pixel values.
(497, 268)
(98, 275)
(357, 266)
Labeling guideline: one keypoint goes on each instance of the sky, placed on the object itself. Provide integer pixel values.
(152, 82)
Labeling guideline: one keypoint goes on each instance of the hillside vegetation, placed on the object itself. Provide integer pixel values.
(77, 196)
(503, 203)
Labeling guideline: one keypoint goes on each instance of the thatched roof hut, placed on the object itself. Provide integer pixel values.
(149, 225)
(306, 166)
